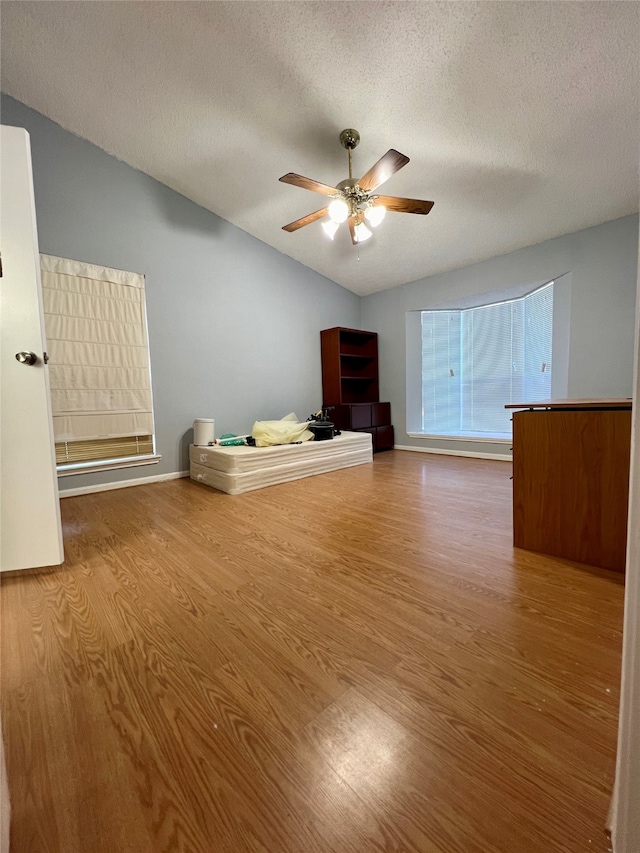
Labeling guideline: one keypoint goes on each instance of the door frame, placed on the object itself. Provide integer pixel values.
(625, 805)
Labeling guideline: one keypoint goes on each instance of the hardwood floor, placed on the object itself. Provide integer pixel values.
(355, 662)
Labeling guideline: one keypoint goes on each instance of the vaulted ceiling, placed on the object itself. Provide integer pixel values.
(520, 118)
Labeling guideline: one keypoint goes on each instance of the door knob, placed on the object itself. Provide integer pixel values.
(26, 357)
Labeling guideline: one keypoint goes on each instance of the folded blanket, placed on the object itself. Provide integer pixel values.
(284, 431)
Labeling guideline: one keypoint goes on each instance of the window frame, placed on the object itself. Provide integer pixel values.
(469, 436)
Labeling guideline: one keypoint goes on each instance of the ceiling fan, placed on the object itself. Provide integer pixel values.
(353, 199)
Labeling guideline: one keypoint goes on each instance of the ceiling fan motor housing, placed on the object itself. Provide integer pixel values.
(357, 199)
(349, 187)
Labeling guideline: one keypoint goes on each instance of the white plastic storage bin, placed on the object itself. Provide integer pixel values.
(203, 431)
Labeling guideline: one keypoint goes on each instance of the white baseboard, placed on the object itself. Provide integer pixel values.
(121, 484)
(501, 457)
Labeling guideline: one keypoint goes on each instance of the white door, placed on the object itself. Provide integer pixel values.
(30, 529)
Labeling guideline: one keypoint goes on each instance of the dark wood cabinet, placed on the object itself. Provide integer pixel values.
(384, 437)
(350, 384)
(571, 480)
(352, 416)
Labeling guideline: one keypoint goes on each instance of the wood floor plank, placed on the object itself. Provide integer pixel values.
(380, 760)
(482, 738)
(32, 652)
(182, 795)
(285, 647)
(341, 820)
(359, 662)
(86, 769)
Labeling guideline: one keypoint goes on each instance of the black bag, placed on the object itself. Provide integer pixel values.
(322, 430)
(320, 425)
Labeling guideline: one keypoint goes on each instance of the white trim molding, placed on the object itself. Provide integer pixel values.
(501, 457)
(122, 484)
(474, 438)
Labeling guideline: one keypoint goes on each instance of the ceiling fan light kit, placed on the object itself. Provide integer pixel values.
(353, 199)
(330, 227)
(375, 215)
(362, 232)
(338, 210)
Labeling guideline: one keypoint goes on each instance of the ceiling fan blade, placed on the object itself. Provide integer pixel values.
(308, 184)
(386, 166)
(352, 229)
(305, 220)
(403, 205)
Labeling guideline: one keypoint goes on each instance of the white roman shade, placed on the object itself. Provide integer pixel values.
(98, 349)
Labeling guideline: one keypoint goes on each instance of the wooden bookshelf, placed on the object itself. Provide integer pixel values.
(350, 383)
(349, 366)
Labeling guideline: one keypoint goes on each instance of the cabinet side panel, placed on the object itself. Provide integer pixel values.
(570, 484)
(381, 414)
(330, 351)
(384, 437)
(522, 508)
(614, 484)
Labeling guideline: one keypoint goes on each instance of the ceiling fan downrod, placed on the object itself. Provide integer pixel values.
(349, 139)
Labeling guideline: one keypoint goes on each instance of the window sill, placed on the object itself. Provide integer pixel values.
(73, 469)
(470, 438)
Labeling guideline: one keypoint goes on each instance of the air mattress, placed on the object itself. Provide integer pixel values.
(236, 470)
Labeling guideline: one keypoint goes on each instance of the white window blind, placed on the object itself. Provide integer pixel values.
(441, 361)
(476, 360)
(98, 348)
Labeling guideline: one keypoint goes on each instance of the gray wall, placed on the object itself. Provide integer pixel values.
(233, 324)
(601, 264)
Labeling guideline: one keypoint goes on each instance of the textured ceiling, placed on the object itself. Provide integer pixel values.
(520, 119)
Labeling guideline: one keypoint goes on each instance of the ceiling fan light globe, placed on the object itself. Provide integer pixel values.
(338, 210)
(362, 232)
(375, 214)
(330, 227)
